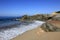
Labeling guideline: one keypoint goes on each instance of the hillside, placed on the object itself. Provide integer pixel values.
(42, 17)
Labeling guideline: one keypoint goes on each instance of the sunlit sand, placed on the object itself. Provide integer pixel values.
(37, 34)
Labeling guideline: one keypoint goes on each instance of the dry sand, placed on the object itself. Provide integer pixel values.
(38, 34)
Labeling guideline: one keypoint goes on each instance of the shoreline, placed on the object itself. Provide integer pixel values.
(37, 34)
(13, 32)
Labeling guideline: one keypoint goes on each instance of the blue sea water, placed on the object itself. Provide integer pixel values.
(8, 23)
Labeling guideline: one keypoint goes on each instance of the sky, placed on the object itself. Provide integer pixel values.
(28, 7)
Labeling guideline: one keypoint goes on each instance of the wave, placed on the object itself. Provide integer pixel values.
(10, 33)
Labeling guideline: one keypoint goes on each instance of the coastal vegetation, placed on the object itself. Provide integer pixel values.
(40, 17)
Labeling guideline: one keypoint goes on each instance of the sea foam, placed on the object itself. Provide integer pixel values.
(7, 34)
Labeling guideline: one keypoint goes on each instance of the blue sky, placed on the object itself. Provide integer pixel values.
(29, 7)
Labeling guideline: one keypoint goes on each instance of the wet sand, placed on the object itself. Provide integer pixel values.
(38, 34)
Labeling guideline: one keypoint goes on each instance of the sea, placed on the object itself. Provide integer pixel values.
(11, 29)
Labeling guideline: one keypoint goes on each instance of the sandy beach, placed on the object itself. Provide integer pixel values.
(38, 34)
(31, 31)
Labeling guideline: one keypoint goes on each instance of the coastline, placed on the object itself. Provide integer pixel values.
(10, 33)
(36, 34)
(28, 34)
(40, 34)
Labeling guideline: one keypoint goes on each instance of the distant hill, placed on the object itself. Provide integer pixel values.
(42, 17)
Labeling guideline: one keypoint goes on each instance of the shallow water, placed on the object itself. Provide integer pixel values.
(7, 34)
